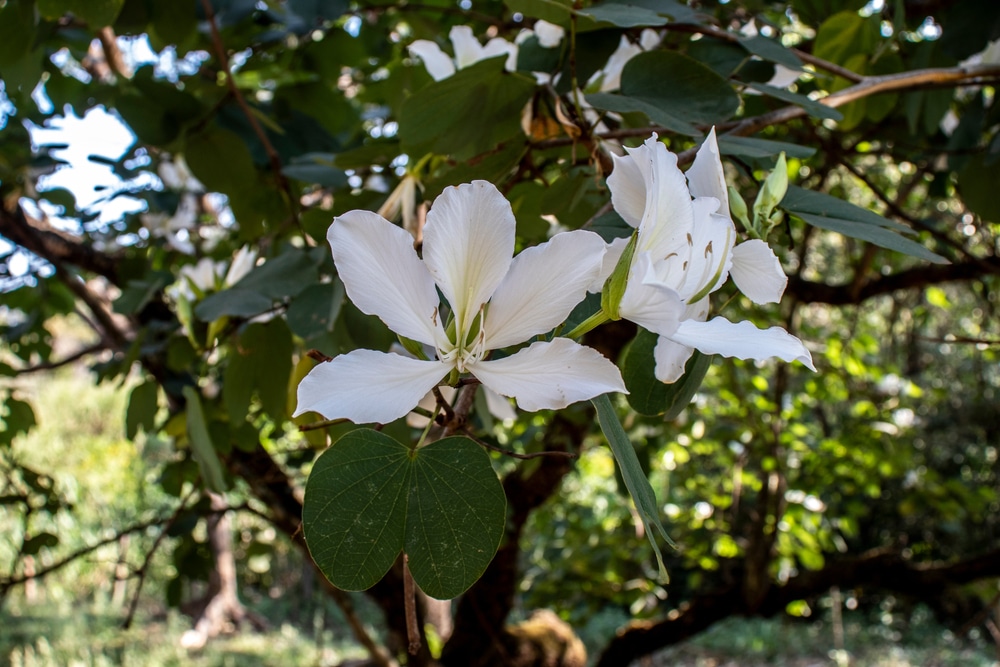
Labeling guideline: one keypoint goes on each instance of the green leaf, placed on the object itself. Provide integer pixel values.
(846, 34)
(680, 393)
(201, 443)
(41, 541)
(314, 311)
(649, 396)
(552, 11)
(811, 106)
(635, 480)
(466, 114)
(622, 104)
(880, 236)
(174, 21)
(17, 31)
(680, 86)
(18, 418)
(221, 160)
(646, 394)
(800, 200)
(96, 13)
(771, 50)
(977, 184)
(370, 497)
(141, 410)
(624, 15)
(761, 148)
(234, 302)
(270, 346)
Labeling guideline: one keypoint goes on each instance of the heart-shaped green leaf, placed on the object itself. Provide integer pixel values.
(370, 497)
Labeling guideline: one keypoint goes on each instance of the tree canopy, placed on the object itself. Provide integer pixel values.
(661, 457)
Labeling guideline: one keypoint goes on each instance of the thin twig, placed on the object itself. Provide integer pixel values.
(52, 365)
(410, 605)
(516, 455)
(449, 413)
(272, 154)
(144, 569)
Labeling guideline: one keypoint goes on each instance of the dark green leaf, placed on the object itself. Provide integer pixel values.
(768, 49)
(622, 104)
(234, 302)
(220, 159)
(880, 236)
(41, 541)
(369, 497)
(646, 394)
(17, 31)
(681, 86)
(977, 183)
(314, 311)
(141, 410)
(680, 393)
(760, 148)
(800, 200)
(624, 15)
(811, 106)
(18, 418)
(438, 117)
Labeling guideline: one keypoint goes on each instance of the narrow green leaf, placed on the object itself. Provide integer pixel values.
(201, 443)
(369, 497)
(799, 200)
(880, 236)
(635, 480)
(812, 107)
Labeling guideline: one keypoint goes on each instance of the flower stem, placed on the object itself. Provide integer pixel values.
(592, 322)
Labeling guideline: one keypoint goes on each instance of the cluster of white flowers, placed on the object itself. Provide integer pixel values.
(683, 250)
(198, 279)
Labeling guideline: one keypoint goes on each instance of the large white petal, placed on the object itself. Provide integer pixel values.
(437, 63)
(670, 359)
(468, 245)
(383, 275)
(649, 302)
(757, 272)
(499, 406)
(499, 46)
(706, 176)
(616, 63)
(668, 219)
(544, 284)
(551, 375)
(628, 186)
(742, 340)
(468, 50)
(367, 386)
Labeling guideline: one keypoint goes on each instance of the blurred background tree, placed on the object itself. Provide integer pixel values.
(191, 283)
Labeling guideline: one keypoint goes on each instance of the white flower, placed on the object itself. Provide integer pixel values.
(243, 262)
(685, 251)
(495, 301)
(468, 51)
(549, 35)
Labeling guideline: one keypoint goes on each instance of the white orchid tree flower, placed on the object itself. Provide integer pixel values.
(243, 262)
(494, 301)
(684, 250)
(468, 51)
(549, 35)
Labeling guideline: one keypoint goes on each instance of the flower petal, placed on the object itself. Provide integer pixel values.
(383, 275)
(628, 186)
(706, 176)
(710, 252)
(648, 301)
(742, 340)
(468, 246)
(551, 375)
(367, 386)
(437, 63)
(670, 359)
(668, 218)
(757, 272)
(468, 50)
(499, 406)
(544, 284)
(498, 46)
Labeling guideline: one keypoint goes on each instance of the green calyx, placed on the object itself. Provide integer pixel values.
(614, 286)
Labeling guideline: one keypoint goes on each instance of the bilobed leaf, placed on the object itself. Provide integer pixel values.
(635, 480)
(369, 497)
(141, 410)
(680, 86)
(201, 443)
